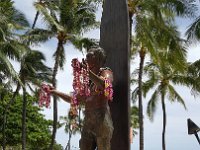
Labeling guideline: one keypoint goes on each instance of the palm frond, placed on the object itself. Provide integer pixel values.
(36, 36)
(13, 49)
(8, 68)
(134, 117)
(173, 95)
(85, 43)
(47, 17)
(149, 84)
(193, 31)
(134, 95)
(152, 103)
(185, 8)
(19, 18)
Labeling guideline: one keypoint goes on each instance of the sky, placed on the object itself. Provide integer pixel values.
(177, 137)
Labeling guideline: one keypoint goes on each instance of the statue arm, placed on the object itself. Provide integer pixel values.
(64, 96)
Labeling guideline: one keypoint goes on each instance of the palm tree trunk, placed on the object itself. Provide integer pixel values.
(3, 130)
(13, 97)
(164, 122)
(79, 118)
(24, 119)
(55, 114)
(35, 20)
(68, 147)
(142, 58)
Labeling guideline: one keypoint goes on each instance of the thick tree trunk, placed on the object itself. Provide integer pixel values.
(114, 39)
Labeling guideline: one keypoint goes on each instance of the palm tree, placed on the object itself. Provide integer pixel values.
(65, 19)
(11, 22)
(151, 19)
(72, 126)
(162, 77)
(31, 73)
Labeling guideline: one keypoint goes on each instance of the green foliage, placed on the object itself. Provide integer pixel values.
(134, 119)
(38, 128)
(11, 22)
(163, 76)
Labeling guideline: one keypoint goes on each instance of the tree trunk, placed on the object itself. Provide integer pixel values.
(55, 111)
(140, 105)
(4, 131)
(24, 119)
(13, 97)
(68, 147)
(114, 39)
(164, 122)
(35, 19)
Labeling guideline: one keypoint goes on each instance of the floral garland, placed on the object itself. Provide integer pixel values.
(108, 91)
(80, 86)
(80, 81)
(44, 96)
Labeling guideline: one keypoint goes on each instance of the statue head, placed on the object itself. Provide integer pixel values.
(96, 57)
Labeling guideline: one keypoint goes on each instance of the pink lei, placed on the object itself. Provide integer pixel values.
(80, 85)
(44, 95)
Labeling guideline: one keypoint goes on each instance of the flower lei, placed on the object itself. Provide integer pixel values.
(108, 90)
(44, 95)
(80, 86)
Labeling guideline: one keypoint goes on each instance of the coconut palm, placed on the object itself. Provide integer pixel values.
(163, 76)
(12, 22)
(72, 126)
(31, 73)
(151, 19)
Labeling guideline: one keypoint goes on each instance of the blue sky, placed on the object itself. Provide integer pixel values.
(176, 132)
